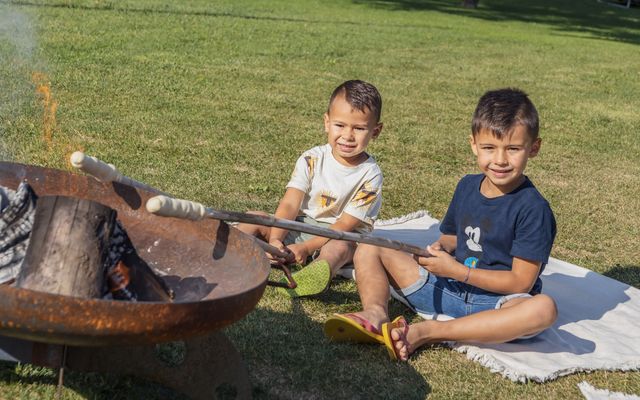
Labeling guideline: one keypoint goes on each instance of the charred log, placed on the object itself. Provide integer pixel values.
(68, 249)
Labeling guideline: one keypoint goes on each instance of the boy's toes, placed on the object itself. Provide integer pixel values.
(401, 343)
(395, 337)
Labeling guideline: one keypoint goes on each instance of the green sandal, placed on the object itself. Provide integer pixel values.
(312, 279)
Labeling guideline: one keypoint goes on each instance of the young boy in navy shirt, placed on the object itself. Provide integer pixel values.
(485, 268)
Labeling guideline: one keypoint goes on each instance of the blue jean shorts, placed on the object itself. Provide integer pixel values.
(434, 295)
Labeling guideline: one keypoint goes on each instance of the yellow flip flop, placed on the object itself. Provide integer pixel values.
(351, 328)
(388, 341)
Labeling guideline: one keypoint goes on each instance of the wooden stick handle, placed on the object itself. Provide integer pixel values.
(168, 207)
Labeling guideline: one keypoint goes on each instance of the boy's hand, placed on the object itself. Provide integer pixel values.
(440, 264)
(436, 246)
(299, 251)
(280, 246)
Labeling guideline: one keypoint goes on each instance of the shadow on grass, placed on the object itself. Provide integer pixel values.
(95, 386)
(111, 7)
(288, 357)
(566, 16)
(629, 274)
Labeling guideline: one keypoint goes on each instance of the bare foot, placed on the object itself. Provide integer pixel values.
(400, 337)
(376, 318)
(408, 339)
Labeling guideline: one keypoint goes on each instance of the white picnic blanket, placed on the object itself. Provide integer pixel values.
(598, 324)
(591, 393)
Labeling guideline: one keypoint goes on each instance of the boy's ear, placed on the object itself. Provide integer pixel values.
(472, 143)
(535, 147)
(326, 122)
(377, 130)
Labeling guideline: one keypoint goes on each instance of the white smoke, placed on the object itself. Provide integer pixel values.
(17, 46)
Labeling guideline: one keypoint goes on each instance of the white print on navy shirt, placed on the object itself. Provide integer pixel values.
(473, 243)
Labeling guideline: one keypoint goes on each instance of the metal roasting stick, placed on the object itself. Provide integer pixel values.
(109, 173)
(170, 207)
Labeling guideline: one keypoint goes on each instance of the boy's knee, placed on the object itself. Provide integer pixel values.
(546, 310)
(340, 248)
(364, 251)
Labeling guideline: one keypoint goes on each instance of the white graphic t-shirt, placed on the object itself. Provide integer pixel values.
(332, 188)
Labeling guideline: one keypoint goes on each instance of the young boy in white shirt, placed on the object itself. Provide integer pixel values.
(337, 185)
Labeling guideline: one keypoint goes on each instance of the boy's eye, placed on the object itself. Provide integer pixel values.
(360, 128)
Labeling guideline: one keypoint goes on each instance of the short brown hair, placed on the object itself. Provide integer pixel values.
(500, 111)
(361, 95)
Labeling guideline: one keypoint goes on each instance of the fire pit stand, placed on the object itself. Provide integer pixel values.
(206, 367)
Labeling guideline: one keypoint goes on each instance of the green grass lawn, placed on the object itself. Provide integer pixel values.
(214, 101)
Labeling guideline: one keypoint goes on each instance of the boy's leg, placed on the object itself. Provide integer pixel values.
(516, 318)
(375, 269)
(258, 231)
(337, 253)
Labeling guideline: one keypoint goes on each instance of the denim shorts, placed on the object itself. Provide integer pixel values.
(433, 295)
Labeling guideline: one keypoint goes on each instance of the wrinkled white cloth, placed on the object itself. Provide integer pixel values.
(598, 324)
(17, 210)
(591, 393)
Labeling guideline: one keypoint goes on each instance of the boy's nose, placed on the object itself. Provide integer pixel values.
(348, 134)
(500, 158)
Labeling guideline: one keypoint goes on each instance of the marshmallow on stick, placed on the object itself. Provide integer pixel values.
(98, 169)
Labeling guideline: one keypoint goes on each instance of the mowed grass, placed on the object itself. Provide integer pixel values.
(214, 101)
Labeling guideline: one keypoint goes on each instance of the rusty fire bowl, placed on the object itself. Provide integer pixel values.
(218, 274)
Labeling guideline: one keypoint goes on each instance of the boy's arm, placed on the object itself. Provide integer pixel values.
(346, 223)
(288, 208)
(303, 250)
(520, 279)
(446, 242)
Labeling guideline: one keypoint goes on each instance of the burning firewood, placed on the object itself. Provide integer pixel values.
(68, 248)
(72, 247)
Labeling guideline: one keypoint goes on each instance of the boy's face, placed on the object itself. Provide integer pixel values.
(349, 131)
(503, 160)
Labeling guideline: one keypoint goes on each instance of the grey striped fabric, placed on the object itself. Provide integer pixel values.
(17, 210)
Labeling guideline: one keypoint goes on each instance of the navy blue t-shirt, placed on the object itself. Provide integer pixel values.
(490, 232)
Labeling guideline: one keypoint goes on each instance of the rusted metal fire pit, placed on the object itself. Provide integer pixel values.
(217, 273)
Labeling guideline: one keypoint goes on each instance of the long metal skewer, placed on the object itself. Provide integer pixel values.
(171, 207)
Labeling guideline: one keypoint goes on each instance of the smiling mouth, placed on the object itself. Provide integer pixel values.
(346, 147)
